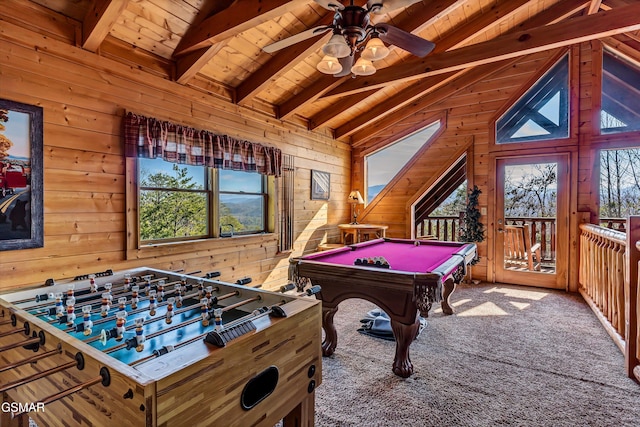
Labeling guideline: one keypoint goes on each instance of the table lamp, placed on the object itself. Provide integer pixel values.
(355, 198)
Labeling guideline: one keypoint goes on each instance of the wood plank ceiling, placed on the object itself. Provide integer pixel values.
(216, 46)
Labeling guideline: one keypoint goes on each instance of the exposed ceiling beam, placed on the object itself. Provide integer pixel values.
(463, 79)
(407, 96)
(484, 22)
(240, 16)
(594, 7)
(283, 61)
(414, 18)
(99, 20)
(401, 99)
(187, 66)
(573, 31)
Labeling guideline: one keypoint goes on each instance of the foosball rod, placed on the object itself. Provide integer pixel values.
(91, 296)
(37, 376)
(115, 309)
(182, 324)
(157, 318)
(37, 340)
(200, 336)
(32, 359)
(104, 378)
(120, 295)
(14, 331)
(146, 322)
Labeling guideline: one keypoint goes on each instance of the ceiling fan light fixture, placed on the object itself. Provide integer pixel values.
(337, 47)
(363, 67)
(329, 65)
(375, 50)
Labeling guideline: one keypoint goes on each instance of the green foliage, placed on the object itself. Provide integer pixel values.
(472, 228)
(166, 214)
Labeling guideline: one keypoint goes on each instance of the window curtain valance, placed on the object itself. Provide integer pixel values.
(151, 138)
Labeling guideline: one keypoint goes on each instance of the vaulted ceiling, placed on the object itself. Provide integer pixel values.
(217, 46)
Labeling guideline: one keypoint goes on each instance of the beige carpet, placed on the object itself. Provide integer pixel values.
(513, 356)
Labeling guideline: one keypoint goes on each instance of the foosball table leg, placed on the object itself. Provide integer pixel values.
(303, 415)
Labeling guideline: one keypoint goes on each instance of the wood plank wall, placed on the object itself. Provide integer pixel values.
(84, 97)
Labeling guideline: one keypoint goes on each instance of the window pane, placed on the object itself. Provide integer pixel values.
(542, 113)
(172, 214)
(619, 184)
(240, 182)
(620, 96)
(384, 164)
(244, 212)
(157, 173)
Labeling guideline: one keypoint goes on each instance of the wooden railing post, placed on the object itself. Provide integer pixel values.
(632, 336)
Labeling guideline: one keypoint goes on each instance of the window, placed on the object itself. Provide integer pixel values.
(542, 113)
(173, 201)
(241, 199)
(619, 185)
(383, 165)
(178, 202)
(620, 95)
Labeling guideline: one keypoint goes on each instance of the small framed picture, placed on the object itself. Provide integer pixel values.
(320, 185)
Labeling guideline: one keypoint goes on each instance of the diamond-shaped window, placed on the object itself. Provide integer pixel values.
(542, 113)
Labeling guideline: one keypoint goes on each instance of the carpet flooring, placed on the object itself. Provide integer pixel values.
(510, 356)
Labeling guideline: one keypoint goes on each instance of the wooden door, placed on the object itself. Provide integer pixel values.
(532, 193)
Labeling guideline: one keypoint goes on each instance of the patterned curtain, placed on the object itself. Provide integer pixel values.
(151, 138)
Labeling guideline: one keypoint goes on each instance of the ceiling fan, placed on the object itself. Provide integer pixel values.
(353, 34)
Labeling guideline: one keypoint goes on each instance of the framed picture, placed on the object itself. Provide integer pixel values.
(21, 212)
(320, 185)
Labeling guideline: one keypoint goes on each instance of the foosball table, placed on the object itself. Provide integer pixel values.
(146, 347)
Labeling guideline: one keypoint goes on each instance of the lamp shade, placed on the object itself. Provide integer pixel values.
(363, 67)
(375, 50)
(329, 65)
(337, 47)
(356, 198)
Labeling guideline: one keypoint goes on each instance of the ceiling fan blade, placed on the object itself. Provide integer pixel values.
(347, 63)
(410, 42)
(385, 6)
(297, 38)
(330, 4)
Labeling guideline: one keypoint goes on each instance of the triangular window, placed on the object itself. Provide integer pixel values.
(542, 113)
(620, 95)
(383, 165)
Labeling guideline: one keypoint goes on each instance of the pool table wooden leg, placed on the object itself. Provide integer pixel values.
(330, 334)
(404, 334)
(448, 288)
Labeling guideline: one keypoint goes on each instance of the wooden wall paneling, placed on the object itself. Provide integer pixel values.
(84, 100)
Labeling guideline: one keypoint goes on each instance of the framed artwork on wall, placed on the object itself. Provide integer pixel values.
(21, 199)
(320, 185)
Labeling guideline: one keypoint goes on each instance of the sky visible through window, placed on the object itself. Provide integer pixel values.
(384, 164)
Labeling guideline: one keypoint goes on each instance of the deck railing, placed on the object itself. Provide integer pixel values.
(543, 230)
(608, 276)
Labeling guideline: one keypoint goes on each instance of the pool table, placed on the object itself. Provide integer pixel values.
(419, 273)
